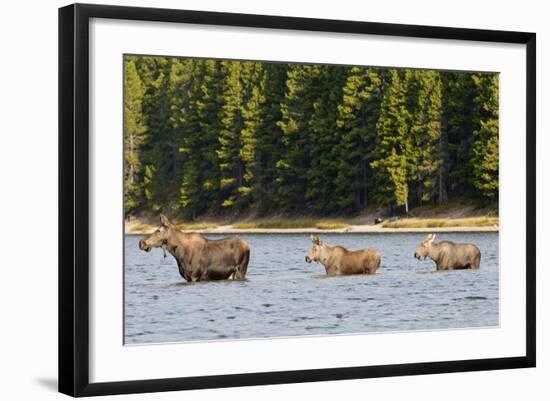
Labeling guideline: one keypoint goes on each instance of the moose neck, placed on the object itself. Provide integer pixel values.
(172, 242)
(176, 244)
(324, 258)
(434, 251)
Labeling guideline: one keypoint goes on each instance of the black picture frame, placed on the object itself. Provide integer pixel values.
(74, 200)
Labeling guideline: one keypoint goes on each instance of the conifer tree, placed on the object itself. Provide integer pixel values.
(484, 158)
(158, 153)
(426, 137)
(200, 184)
(392, 146)
(457, 124)
(358, 114)
(269, 137)
(323, 138)
(134, 133)
(236, 152)
(296, 111)
(253, 113)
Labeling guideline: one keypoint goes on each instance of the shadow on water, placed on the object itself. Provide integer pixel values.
(344, 276)
(429, 271)
(210, 282)
(446, 271)
(322, 276)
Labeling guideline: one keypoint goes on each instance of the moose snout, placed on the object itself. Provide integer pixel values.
(143, 246)
(308, 259)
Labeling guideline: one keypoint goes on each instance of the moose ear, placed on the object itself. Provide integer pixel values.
(164, 221)
(431, 238)
(315, 239)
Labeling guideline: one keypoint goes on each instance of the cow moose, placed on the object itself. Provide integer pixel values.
(198, 258)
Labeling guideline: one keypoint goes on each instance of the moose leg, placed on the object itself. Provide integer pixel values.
(475, 264)
(182, 271)
(242, 266)
(366, 268)
(198, 274)
(237, 275)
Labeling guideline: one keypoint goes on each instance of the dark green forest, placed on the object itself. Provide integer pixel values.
(217, 137)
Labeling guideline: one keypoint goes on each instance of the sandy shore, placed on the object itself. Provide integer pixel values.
(359, 229)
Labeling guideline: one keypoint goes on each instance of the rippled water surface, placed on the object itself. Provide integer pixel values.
(284, 296)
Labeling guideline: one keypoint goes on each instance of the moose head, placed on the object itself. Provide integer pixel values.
(315, 253)
(159, 237)
(423, 250)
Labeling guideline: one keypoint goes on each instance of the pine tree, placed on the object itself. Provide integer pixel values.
(426, 136)
(157, 152)
(457, 124)
(392, 143)
(200, 183)
(323, 138)
(358, 114)
(485, 156)
(269, 137)
(184, 132)
(237, 140)
(134, 133)
(296, 111)
(253, 114)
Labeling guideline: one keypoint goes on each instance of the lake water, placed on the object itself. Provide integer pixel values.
(285, 296)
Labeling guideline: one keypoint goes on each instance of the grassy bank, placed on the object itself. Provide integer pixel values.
(292, 223)
(435, 223)
(145, 228)
(197, 226)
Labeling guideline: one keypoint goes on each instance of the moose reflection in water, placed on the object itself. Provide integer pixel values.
(339, 261)
(447, 255)
(198, 258)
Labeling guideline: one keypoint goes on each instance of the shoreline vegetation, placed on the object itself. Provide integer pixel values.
(457, 219)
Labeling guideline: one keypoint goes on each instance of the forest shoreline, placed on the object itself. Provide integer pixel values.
(357, 229)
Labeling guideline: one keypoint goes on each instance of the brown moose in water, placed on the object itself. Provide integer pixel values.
(339, 261)
(198, 258)
(447, 255)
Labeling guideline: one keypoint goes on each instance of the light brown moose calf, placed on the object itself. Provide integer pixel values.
(337, 260)
(447, 255)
